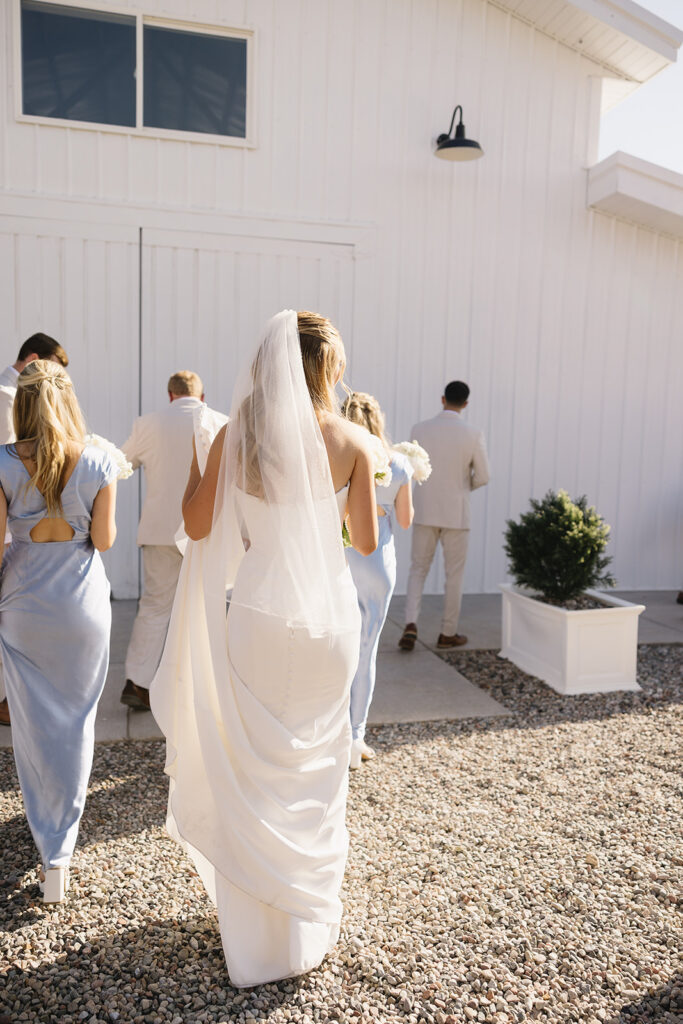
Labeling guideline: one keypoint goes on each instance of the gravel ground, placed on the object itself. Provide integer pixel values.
(525, 868)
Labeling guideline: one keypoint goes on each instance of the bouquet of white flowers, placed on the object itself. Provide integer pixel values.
(418, 458)
(124, 466)
(381, 460)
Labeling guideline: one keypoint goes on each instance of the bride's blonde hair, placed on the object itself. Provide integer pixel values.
(324, 359)
(46, 412)
(366, 411)
(324, 362)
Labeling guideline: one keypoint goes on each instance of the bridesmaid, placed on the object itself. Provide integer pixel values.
(58, 496)
(375, 575)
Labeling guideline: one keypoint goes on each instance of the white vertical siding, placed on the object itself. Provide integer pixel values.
(79, 283)
(565, 322)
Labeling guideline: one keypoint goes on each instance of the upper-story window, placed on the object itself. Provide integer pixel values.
(101, 67)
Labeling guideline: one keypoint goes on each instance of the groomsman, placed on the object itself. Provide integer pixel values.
(442, 510)
(160, 442)
(38, 346)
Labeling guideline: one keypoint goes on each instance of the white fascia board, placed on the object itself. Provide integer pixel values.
(619, 36)
(638, 191)
(635, 22)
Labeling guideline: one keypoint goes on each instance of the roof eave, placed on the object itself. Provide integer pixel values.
(619, 35)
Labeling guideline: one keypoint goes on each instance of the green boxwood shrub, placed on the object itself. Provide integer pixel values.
(557, 548)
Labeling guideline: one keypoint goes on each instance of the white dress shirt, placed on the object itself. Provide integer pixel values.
(8, 377)
(161, 442)
(8, 389)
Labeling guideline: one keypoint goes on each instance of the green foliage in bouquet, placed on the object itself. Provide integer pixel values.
(557, 548)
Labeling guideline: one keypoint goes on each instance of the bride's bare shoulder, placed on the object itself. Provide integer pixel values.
(339, 433)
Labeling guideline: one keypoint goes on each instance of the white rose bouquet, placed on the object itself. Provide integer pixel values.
(381, 460)
(124, 467)
(418, 458)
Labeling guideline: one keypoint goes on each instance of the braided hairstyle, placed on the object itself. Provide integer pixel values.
(46, 412)
(366, 411)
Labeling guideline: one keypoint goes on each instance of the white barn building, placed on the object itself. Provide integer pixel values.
(172, 172)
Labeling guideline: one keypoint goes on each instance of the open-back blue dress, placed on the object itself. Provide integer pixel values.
(55, 622)
(374, 576)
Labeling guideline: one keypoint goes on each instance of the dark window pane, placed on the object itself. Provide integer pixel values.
(78, 64)
(195, 82)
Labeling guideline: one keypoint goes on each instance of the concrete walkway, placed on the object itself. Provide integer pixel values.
(414, 687)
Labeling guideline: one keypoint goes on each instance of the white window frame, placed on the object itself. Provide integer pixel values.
(141, 19)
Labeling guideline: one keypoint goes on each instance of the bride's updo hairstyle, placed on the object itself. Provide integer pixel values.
(324, 359)
(366, 411)
(46, 412)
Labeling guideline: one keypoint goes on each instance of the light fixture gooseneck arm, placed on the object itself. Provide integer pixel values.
(450, 130)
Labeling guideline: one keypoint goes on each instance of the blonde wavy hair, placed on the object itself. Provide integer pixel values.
(324, 362)
(324, 359)
(366, 411)
(46, 412)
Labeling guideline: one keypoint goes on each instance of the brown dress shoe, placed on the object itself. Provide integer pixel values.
(407, 641)
(444, 642)
(136, 697)
(679, 599)
(4, 712)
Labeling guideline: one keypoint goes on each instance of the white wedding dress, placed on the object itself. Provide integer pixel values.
(255, 708)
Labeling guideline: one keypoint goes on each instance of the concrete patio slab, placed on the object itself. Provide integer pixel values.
(420, 687)
(112, 715)
(480, 619)
(142, 726)
(662, 620)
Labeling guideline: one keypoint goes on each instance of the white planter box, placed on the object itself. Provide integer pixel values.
(592, 651)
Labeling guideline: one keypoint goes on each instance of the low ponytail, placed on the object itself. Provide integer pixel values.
(46, 412)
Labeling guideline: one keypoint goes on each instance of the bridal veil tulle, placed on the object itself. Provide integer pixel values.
(255, 707)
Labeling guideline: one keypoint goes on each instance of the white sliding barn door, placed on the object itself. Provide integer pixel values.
(206, 298)
(78, 282)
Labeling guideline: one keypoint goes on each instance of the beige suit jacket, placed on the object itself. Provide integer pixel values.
(459, 465)
(161, 442)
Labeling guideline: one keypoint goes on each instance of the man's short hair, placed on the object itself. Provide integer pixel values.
(187, 383)
(44, 347)
(456, 393)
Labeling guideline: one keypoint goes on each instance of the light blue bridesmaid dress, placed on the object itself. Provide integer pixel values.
(375, 578)
(55, 621)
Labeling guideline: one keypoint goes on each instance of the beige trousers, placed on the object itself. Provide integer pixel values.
(454, 545)
(161, 566)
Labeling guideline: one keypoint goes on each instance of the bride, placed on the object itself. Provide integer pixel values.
(255, 708)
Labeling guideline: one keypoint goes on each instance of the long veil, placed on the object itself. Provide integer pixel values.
(236, 770)
(274, 452)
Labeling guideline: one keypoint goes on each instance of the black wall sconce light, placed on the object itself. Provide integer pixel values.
(459, 147)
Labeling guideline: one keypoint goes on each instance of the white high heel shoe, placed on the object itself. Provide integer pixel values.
(360, 751)
(54, 884)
